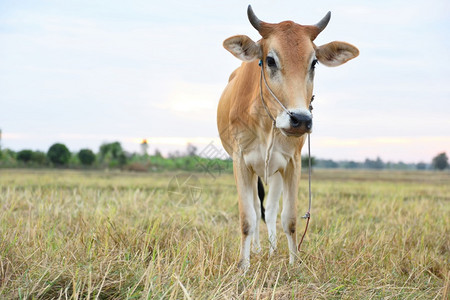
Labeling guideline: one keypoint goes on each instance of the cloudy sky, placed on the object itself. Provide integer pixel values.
(87, 72)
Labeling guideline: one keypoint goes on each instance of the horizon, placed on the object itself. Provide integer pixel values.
(84, 73)
(215, 146)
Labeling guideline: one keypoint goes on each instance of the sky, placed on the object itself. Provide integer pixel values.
(88, 72)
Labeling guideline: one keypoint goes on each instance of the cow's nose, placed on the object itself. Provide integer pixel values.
(298, 120)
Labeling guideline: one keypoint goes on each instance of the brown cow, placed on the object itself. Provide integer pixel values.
(263, 119)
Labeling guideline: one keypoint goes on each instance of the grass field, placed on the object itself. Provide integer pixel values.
(68, 234)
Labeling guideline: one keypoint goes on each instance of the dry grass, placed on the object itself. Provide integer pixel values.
(75, 235)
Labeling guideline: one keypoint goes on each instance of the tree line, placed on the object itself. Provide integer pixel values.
(439, 162)
(113, 156)
(58, 155)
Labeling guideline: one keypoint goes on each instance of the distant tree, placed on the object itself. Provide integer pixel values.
(351, 165)
(39, 158)
(328, 163)
(157, 153)
(86, 157)
(112, 149)
(123, 158)
(8, 156)
(29, 156)
(313, 161)
(421, 166)
(374, 164)
(112, 154)
(440, 161)
(174, 154)
(305, 162)
(24, 155)
(401, 166)
(191, 150)
(58, 154)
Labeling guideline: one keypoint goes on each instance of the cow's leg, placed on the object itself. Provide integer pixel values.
(244, 183)
(289, 212)
(256, 245)
(275, 187)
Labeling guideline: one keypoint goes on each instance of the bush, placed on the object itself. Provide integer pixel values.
(440, 161)
(421, 166)
(39, 158)
(8, 157)
(112, 155)
(58, 154)
(24, 156)
(34, 157)
(86, 157)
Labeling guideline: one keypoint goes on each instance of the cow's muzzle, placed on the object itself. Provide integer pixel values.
(301, 120)
(294, 122)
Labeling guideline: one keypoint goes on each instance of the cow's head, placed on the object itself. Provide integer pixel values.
(289, 56)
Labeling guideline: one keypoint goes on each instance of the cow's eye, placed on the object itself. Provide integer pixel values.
(271, 62)
(313, 64)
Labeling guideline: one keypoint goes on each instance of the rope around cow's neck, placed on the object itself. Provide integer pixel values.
(307, 216)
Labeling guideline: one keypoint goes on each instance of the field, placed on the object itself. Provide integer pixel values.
(73, 234)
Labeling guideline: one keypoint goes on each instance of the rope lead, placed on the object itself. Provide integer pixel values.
(307, 216)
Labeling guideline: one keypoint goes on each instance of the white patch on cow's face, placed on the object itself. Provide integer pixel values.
(283, 120)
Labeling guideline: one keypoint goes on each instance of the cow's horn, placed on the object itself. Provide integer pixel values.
(253, 18)
(324, 22)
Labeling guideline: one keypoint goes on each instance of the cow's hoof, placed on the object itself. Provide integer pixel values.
(272, 251)
(244, 265)
(256, 249)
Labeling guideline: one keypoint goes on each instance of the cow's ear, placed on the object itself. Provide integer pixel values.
(243, 47)
(336, 53)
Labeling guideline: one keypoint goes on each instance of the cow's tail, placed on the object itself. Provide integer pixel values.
(261, 194)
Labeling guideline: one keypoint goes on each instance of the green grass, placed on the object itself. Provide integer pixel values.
(68, 234)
